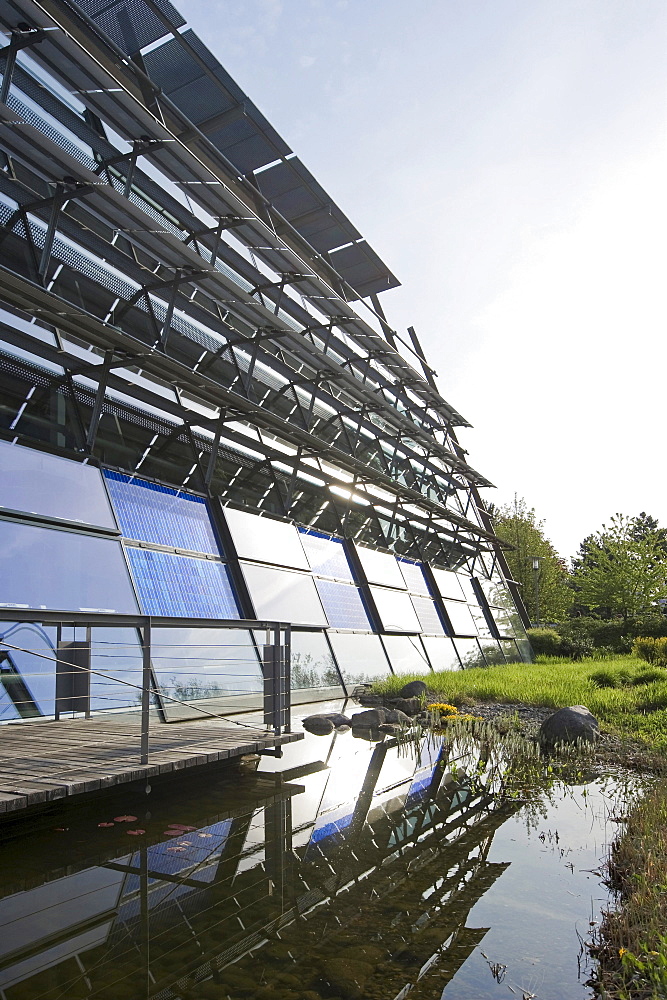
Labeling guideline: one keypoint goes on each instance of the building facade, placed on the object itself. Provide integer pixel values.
(204, 412)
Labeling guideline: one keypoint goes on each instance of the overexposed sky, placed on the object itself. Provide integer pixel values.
(507, 160)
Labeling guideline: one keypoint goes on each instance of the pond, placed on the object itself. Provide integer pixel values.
(345, 869)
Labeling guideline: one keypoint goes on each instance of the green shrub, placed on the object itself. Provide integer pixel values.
(649, 677)
(604, 679)
(545, 641)
(653, 650)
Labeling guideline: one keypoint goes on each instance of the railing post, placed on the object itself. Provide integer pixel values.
(145, 690)
(277, 683)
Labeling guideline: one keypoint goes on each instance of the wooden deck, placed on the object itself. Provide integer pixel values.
(44, 761)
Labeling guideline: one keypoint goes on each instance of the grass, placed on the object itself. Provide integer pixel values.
(627, 696)
(632, 942)
(629, 699)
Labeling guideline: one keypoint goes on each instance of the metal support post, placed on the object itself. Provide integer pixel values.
(145, 690)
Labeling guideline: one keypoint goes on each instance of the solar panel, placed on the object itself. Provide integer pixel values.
(413, 574)
(361, 267)
(429, 619)
(131, 24)
(151, 513)
(326, 556)
(181, 586)
(343, 605)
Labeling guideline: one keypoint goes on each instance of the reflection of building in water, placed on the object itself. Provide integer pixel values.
(372, 868)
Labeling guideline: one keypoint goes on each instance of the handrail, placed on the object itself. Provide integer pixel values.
(274, 661)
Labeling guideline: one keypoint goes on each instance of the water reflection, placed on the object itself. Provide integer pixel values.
(342, 870)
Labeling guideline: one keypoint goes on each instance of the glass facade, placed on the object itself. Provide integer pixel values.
(282, 595)
(35, 482)
(209, 384)
(360, 658)
(64, 570)
(406, 654)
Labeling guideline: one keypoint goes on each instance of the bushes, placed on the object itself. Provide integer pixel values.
(545, 641)
(585, 636)
(653, 650)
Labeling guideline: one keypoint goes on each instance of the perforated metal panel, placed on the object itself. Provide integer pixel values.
(131, 24)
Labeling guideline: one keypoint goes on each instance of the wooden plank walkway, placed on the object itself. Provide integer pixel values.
(44, 761)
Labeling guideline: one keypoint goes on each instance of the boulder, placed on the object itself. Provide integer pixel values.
(325, 723)
(398, 718)
(318, 725)
(415, 689)
(411, 706)
(569, 725)
(339, 720)
(370, 719)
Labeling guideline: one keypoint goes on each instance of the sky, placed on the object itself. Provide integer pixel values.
(507, 160)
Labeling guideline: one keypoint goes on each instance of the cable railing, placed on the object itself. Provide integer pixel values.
(48, 671)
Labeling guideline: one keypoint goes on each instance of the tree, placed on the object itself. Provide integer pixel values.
(621, 570)
(517, 524)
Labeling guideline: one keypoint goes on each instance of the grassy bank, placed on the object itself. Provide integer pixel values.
(632, 942)
(629, 700)
(627, 696)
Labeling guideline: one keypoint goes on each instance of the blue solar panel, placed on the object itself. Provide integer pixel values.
(343, 605)
(326, 556)
(181, 586)
(158, 514)
(413, 574)
(429, 619)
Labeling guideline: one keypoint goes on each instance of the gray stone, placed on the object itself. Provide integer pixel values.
(398, 718)
(338, 719)
(391, 728)
(415, 689)
(370, 719)
(569, 725)
(318, 725)
(411, 706)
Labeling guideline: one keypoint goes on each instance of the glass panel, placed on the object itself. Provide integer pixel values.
(152, 513)
(37, 483)
(406, 654)
(480, 621)
(312, 663)
(116, 653)
(525, 649)
(27, 674)
(448, 583)
(491, 651)
(279, 595)
(265, 540)
(343, 605)
(460, 617)
(360, 658)
(497, 594)
(326, 555)
(468, 589)
(441, 653)
(396, 611)
(216, 669)
(62, 570)
(413, 574)
(503, 622)
(510, 649)
(182, 586)
(380, 567)
(469, 653)
(427, 613)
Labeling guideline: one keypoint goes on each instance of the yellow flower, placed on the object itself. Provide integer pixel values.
(444, 709)
(621, 952)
